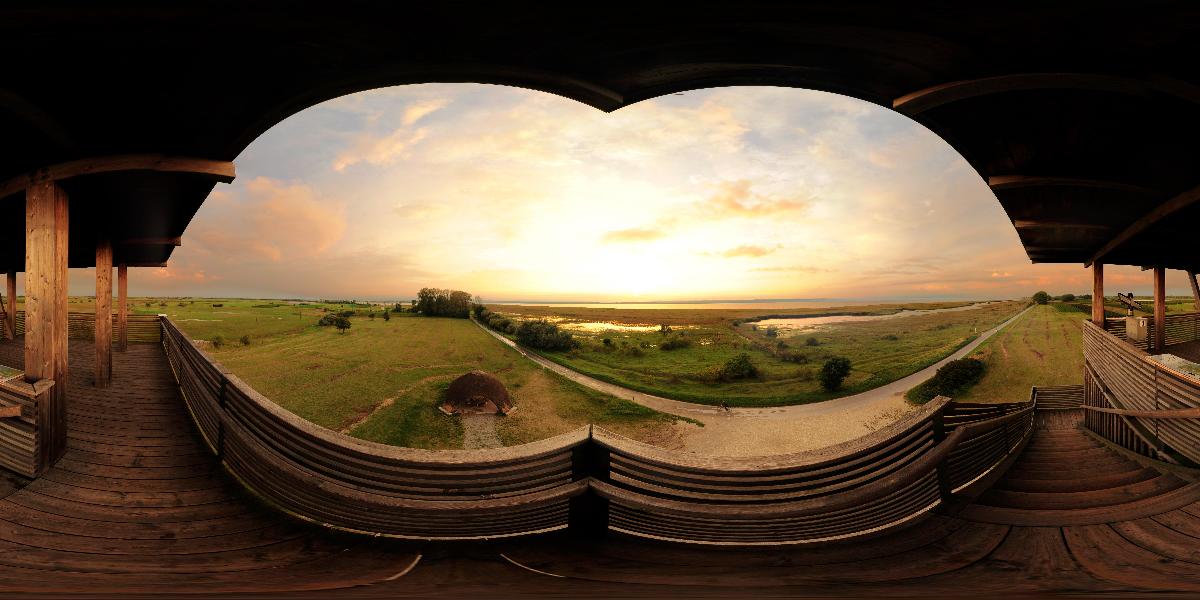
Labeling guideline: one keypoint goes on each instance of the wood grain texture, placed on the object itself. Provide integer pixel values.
(102, 323)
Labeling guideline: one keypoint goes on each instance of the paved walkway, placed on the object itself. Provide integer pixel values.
(774, 430)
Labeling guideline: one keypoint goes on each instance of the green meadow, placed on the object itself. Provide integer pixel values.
(880, 351)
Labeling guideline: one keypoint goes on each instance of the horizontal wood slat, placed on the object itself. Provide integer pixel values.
(82, 326)
(887, 478)
(1138, 403)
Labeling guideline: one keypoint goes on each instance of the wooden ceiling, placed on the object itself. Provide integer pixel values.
(1083, 116)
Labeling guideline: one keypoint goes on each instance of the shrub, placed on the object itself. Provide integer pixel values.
(812, 341)
(834, 372)
(1041, 297)
(953, 378)
(327, 319)
(632, 351)
(891, 337)
(738, 367)
(479, 310)
(214, 306)
(606, 341)
(772, 331)
(245, 340)
(398, 307)
(387, 316)
(342, 323)
(371, 315)
(1067, 297)
(217, 341)
(664, 329)
(782, 345)
(794, 357)
(346, 314)
(675, 343)
(544, 335)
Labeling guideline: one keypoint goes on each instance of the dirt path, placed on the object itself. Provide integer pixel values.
(774, 430)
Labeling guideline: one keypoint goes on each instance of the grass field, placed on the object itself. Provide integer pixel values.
(385, 378)
(880, 351)
(1044, 347)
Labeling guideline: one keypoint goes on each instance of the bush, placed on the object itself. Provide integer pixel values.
(245, 340)
(342, 323)
(214, 306)
(327, 319)
(1041, 297)
(371, 315)
(675, 343)
(833, 373)
(772, 331)
(953, 378)
(544, 335)
(738, 367)
(606, 341)
(387, 316)
(346, 314)
(217, 341)
(798, 358)
(891, 337)
(812, 341)
(398, 307)
(1067, 297)
(479, 309)
(664, 329)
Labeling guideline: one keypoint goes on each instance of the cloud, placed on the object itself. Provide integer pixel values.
(274, 221)
(386, 149)
(417, 111)
(633, 235)
(797, 269)
(750, 251)
(737, 199)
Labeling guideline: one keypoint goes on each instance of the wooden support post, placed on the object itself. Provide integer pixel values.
(122, 308)
(1195, 289)
(104, 256)
(1160, 308)
(46, 219)
(10, 317)
(1098, 294)
(587, 513)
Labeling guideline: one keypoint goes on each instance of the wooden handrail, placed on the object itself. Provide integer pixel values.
(899, 479)
(1177, 413)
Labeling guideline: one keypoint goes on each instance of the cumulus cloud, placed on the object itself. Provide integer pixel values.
(749, 250)
(633, 235)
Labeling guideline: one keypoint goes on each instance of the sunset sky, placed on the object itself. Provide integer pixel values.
(730, 193)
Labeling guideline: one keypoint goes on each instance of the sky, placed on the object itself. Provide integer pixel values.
(513, 194)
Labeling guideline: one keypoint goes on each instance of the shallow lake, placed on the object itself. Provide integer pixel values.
(800, 324)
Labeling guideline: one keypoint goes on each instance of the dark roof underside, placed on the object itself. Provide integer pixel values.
(1074, 160)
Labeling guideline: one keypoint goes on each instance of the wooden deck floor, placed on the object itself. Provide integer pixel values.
(138, 506)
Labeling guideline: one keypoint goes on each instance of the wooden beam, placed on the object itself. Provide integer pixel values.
(1195, 289)
(1030, 224)
(219, 170)
(1098, 294)
(46, 220)
(104, 257)
(1014, 182)
(10, 317)
(1160, 308)
(1159, 213)
(122, 308)
(157, 241)
(932, 97)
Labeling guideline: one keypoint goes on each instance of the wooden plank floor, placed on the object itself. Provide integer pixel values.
(138, 507)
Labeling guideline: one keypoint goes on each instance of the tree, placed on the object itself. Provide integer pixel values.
(1068, 298)
(544, 335)
(434, 302)
(1041, 297)
(387, 316)
(833, 373)
(342, 323)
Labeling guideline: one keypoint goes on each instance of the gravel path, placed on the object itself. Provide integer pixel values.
(775, 430)
(479, 431)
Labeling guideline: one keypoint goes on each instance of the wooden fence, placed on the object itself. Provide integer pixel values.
(1180, 328)
(82, 326)
(1139, 403)
(593, 480)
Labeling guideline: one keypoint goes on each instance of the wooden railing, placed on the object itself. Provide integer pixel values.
(82, 326)
(1180, 328)
(26, 439)
(593, 480)
(1136, 402)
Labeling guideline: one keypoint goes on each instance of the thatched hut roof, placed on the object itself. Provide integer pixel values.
(477, 392)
